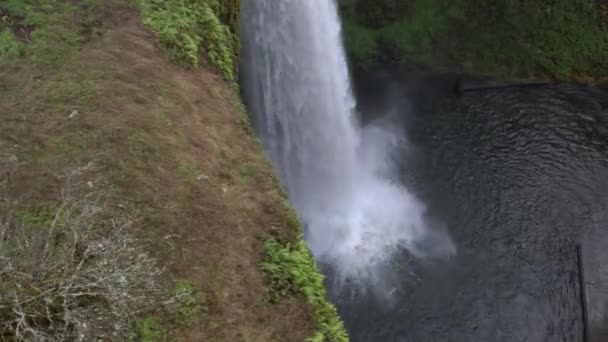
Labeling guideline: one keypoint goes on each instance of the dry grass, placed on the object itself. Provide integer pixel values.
(74, 272)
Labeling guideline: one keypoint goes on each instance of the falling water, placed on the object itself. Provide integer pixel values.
(338, 175)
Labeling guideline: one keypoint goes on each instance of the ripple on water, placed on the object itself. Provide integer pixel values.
(518, 176)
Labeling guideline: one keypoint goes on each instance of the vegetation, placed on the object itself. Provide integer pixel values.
(10, 48)
(292, 271)
(52, 30)
(87, 84)
(73, 273)
(190, 302)
(564, 39)
(148, 330)
(187, 28)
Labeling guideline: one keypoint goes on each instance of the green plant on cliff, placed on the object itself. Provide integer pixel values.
(563, 39)
(10, 48)
(189, 28)
(293, 271)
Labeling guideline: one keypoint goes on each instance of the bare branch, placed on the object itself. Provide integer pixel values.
(84, 278)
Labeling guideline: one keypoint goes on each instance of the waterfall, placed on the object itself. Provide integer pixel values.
(338, 175)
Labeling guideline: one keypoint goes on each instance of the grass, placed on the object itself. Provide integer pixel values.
(10, 47)
(53, 30)
(562, 39)
(189, 28)
(190, 302)
(186, 306)
(37, 218)
(71, 272)
(174, 152)
(148, 330)
(16, 8)
(293, 271)
(246, 172)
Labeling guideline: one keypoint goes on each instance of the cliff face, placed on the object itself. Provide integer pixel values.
(561, 39)
(121, 115)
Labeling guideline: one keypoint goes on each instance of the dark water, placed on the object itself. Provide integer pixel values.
(519, 176)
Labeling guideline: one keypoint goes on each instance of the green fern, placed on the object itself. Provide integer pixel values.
(189, 28)
(292, 271)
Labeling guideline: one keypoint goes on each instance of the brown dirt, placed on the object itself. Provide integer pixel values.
(171, 143)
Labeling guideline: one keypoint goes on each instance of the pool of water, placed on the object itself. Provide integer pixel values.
(519, 178)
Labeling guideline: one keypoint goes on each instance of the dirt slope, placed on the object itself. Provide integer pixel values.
(173, 149)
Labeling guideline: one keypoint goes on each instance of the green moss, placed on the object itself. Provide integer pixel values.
(148, 330)
(292, 271)
(187, 28)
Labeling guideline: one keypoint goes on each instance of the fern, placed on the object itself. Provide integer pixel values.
(189, 28)
(292, 270)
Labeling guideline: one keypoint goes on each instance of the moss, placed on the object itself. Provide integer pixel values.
(293, 271)
(187, 28)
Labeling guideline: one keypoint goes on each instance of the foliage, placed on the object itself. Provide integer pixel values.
(10, 48)
(15, 8)
(190, 302)
(561, 38)
(362, 43)
(186, 28)
(292, 270)
(55, 30)
(148, 330)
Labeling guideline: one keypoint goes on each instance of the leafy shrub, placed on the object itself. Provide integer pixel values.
(187, 28)
(362, 44)
(561, 38)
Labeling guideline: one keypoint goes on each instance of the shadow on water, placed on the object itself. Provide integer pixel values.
(519, 177)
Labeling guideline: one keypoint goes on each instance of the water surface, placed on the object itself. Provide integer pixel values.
(519, 176)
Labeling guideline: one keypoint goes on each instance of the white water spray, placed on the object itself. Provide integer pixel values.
(338, 177)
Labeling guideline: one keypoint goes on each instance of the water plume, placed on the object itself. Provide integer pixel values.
(338, 175)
